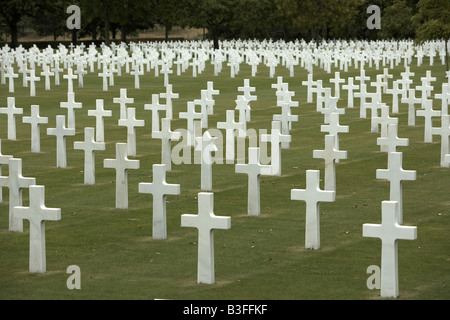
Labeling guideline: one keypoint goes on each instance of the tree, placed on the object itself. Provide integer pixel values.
(397, 21)
(432, 22)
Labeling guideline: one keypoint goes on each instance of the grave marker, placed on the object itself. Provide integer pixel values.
(35, 120)
(61, 132)
(11, 111)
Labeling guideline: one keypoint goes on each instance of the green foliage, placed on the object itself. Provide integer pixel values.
(396, 21)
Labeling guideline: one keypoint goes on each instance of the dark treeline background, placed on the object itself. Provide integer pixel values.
(233, 19)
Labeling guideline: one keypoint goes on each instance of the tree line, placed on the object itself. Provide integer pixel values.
(233, 19)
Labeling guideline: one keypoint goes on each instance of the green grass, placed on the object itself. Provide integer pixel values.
(259, 257)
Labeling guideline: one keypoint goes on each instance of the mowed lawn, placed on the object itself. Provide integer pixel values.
(259, 257)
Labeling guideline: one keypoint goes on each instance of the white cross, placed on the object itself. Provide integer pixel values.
(121, 164)
(310, 85)
(190, 115)
(312, 195)
(243, 106)
(4, 160)
(253, 169)
(395, 91)
(386, 77)
(89, 145)
(71, 105)
(411, 100)
(230, 127)
(389, 231)
(362, 77)
(37, 213)
(350, 87)
(56, 70)
(330, 155)
(166, 71)
(123, 100)
(334, 128)
(392, 141)
(362, 95)
(131, 123)
(15, 183)
(99, 113)
(211, 91)
(155, 107)
(444, 132)
(169, 95)
(330, 106)
(11, 111)
(337, 80)
(32, 79)
(428, 113)
(35, 120)
(70, 77)
(206, 145)
(46, 74)
(11, 76)
(426, 89)
(104, 74)
(167, 136)
(247, 91)
(205, 222)
(205, 104)
(61, 132)
(276, 138)
(286, 119)
(396, 175)
(384, 120)
(159, 189)
(136, 73)
(374, 106)
(444, 96)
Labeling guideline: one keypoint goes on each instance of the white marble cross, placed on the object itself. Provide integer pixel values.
(35, 120)
(334, 128)
(169, 95)
(444, 96)
(46, 73)
(32, 79)
(11, 76)
(337, 80)
(136, 73)
(243, 106)
(330, 106)
(104, 74)
(395, 91)
(100, 113)
(167, 136)
(15, 183)
(247, 93)
(286, 119)
(121, 164)
(56, 70)
(230, 127)
(350, 87)
(159, 189)
(254, 169)
(276, 138)
(131, 123)
(396, 175)
(123, 100)
(11, 111)
(89, 145)
(444, 132)
(389, 231)
(392, 141)
(384, 120)
(190, 115)
(70, 77)
(205, 104)
(309, 85)
(411, 100)
(61, 132)
(312, 195)
(206, 221)
(330, 154)
(4, 160)
(428, 113)
(37, 213)
(71, 105)
(155, 107)
(206, 145)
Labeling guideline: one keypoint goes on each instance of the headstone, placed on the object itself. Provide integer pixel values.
(444, 96)
(159, 189)
(395, 91)
(428, 113)
(243, 106)
(350, 87)
(384, 120)
(444, 132)
(230, 127)
(123, 100)
(121, 164)
(169, 95)
(411, 100)
(89, 145)
(37, 213)
(99, 113)
(167, 136)
(11, 111)
(205, 222)
(396, 175)
(70, 77)
(254, 169)
(310, 85)
(11, 76)
(389, 231)
(32, 79)
(337, 80)
(131, 123)
(334, 128)
(286, 119)
(206, 145)
(190, 115)
(312, 195)
(61, 132)
(330, 154)
(155, 107)
(275, 138)
(391, 141)
(71, 105)
(46, 73)
(15, 182)
(4, 160)
(35, 120)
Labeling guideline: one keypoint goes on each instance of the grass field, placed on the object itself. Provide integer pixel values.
(259, 257)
